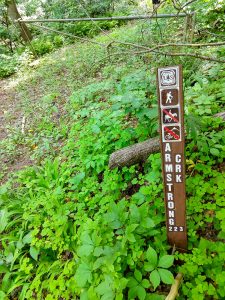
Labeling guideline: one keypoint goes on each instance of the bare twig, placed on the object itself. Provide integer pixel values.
(23, 125)
(195, 55)
(70, 35)
(187, 3)
(172, 45)
(175, 287)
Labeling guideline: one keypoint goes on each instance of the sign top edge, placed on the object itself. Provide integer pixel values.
(169, 67)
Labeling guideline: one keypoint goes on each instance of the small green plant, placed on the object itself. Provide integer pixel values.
(8, 65)
(41, 46)
(158, 267)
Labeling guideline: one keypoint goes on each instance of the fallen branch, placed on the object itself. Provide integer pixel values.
(139, 152)
(175, 287)
(133, 154)
(220, 115)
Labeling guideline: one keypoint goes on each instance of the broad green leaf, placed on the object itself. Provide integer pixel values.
(132, 282)
(138, 275)
(132, 293)
(98, 251)
(84, 295)
(83, 275)
(147, 223)
(85, 238)
(4, 216)
(109, 295)
(141, 293)
(6, 282)
(3, 296)
(105, 289)
(85, 250)
(145, 283)
(34, 252)
(152, 113)
(9, 258)
(95, 129)
(23, 292)
(151, 256)
(166, 276)
(98, 263)
(166, 261)
(76, 180)
(3, 268)
(27, 238)
(130, 237)
(214, 151)
(155, 278)
(148, 267)
(134, 213)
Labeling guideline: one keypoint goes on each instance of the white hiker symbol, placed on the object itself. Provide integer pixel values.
(168, 118)
(169, 97)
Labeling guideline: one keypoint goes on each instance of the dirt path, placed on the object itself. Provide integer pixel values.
(6, 101)
(10, 120)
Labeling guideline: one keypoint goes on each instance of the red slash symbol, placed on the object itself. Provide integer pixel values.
(172, 133)
(170, 115)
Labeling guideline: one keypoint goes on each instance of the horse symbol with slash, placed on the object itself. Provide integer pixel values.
(170, 117)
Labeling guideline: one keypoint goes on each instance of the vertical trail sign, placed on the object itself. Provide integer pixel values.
(171, 112)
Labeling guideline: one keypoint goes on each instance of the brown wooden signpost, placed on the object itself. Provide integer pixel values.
(171, 112)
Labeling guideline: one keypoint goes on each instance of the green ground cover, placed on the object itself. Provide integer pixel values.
(73, 229)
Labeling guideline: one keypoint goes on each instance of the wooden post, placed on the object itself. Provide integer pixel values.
(171, 112)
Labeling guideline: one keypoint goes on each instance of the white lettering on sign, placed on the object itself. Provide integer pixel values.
(169, 186)
(176, 228)
(169, 168)
(171, 214)
(168, 158)
(178, 168)
(178, 178)
(171, 221)
(170, 196)
(169, 177)
(167, 147)
(177, 158)
(171, 205)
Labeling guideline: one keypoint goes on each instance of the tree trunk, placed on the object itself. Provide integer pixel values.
(14, 15)
(139, 152)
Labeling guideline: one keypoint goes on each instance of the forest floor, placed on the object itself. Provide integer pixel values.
(11, 118)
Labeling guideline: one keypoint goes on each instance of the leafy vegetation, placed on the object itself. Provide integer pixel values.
(70, 227)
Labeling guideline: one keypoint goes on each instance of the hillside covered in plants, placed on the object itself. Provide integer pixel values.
(71, 227)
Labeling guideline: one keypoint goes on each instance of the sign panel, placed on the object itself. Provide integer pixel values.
(171, 112)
